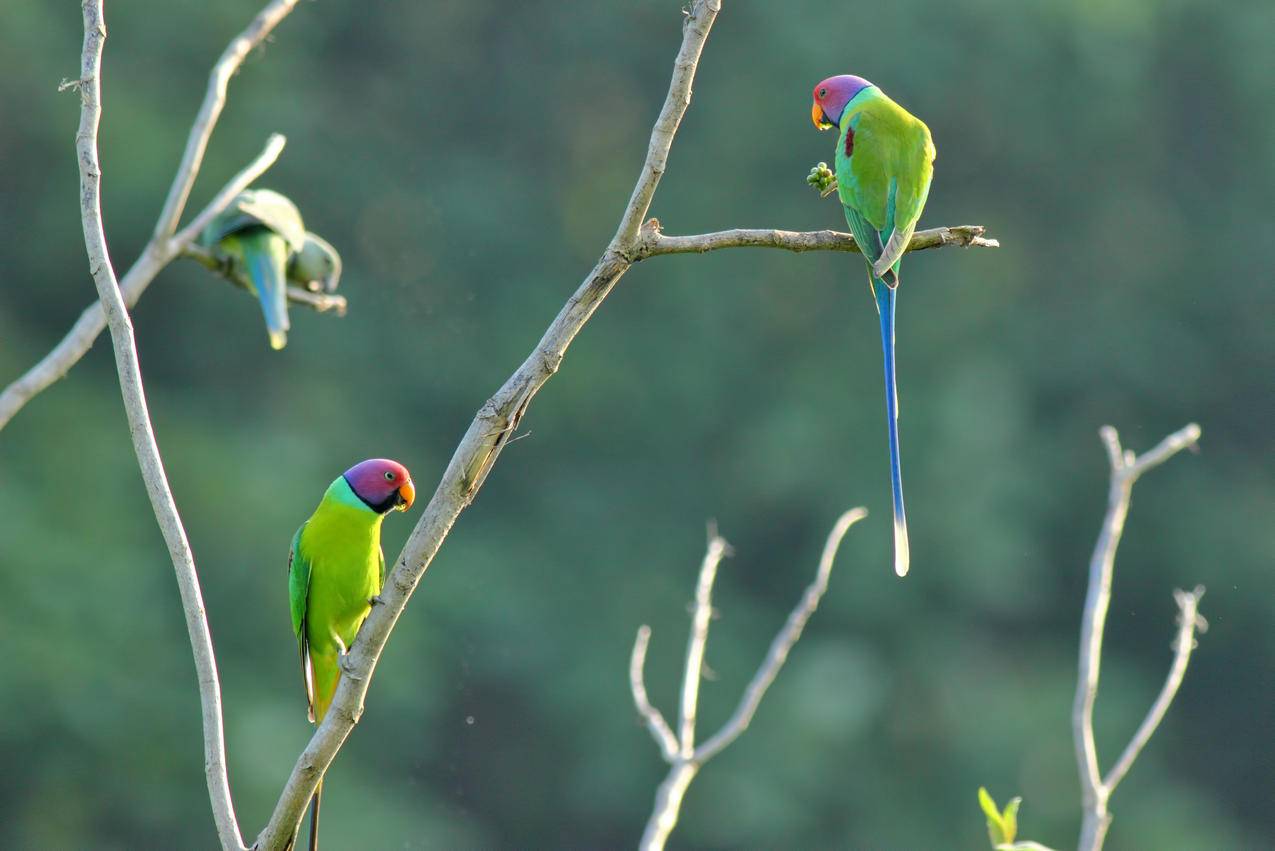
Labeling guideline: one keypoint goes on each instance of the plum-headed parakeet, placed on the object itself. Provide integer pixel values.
(262, 235)
(335, 569)
(884, 163)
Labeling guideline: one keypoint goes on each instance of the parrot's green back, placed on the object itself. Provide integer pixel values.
(258, 207)
(884, 163)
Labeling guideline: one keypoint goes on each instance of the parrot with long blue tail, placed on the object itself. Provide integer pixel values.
(884, 164)
(336, 569)
(262, 237)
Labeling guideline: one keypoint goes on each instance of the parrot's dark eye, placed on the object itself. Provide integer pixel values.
(823, 93)
(389, 477)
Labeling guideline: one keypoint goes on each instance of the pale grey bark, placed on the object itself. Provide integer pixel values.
(684, 759)
(1096, 790)
(143, 436)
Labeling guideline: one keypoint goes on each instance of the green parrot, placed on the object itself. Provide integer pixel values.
(884, 164)
(262, 235)
(335, 570)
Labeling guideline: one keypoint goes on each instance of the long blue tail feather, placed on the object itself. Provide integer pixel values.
(266, 263)
(885, 298)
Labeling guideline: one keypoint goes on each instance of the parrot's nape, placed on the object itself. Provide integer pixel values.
(335, 571)
(884, 163)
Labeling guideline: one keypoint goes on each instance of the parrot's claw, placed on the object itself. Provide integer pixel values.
(831, 189)
(376, 600)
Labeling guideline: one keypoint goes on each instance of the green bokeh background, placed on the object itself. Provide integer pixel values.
(470, 160)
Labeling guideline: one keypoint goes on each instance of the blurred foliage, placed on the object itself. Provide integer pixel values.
(470, 160)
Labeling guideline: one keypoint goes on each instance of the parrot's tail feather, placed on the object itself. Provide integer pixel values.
(267, 263)
(885, 297)
(314, 817)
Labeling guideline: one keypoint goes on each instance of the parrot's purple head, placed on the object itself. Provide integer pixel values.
(831, 97)
(382, 484)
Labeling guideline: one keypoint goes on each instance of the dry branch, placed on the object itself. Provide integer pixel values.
(1096, 790)
(684, 759)
(164, 245)
(148, 457)
(653, 242)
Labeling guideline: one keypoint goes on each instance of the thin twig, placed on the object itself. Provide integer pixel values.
(653, 243)
(660, 730)
(214, 101)
(699, 20)
(148, 457)
(1189, 621)
(1126, 467)
(782, 643)
(686, 761)
(717, 550)
(163, 246)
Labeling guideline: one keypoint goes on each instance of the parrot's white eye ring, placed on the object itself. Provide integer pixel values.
(389, 477)
(823, 93)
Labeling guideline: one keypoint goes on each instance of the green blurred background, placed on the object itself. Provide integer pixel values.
(470, 159)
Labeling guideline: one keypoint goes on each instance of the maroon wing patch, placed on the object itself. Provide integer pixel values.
(849, 141)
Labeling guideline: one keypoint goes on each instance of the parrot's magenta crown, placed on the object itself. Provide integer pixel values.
(382, 484)
(831, 97)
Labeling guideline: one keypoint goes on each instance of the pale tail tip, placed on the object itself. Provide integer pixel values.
(278, 339)
(902, 556)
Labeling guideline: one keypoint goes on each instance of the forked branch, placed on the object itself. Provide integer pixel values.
(684, 759)
(1096, 790)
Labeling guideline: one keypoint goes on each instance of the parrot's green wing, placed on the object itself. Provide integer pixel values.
(885, 176)
(258, 208)
(299, 597)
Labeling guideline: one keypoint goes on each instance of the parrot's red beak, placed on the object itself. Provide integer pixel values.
(406, 495)
(817, 116)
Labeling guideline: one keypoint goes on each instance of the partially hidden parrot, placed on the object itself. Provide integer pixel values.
(884, 163)
(335, 570)
(264, 238)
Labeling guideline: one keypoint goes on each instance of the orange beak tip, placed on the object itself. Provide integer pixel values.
(408, 492)
(817, 116)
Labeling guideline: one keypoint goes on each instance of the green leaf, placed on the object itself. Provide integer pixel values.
(1026, 845)
(1009, 819)
(995, 822)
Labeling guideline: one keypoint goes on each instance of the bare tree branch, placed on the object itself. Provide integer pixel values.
(1126, 467)
(699, 20)
(653, 243)
(782, 644)
(163, 246)
(148, 457)
(717, 550)
(214, 101)
(660, 730)
(1189, 621)
(686, 761)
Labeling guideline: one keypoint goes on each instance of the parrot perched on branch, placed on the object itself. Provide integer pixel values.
(262, 235)
(335, 570)
(884, 163)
